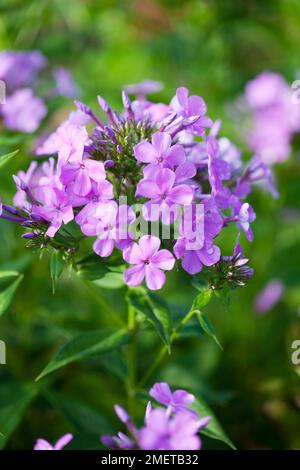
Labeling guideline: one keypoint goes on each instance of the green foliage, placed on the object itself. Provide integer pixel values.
(85, 345)
(7, 294)
(154, 309)
(214, 429)
(5, 159)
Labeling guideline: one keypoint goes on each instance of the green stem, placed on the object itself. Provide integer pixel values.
(131, 357)
(163, 351)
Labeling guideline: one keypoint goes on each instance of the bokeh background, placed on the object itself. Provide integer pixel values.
(212, 47)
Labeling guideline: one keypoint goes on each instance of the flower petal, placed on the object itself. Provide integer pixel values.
(145, 152)
(149, 245)
(181, 194)
(134, 276)
(162, 142)
(103, 248)
(163, 259)
(155, 278)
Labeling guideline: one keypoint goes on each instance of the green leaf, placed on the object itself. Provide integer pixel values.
(56, 267)
(5, 159)
(202, 299)
(92, 271)
(14, 398)
(207, 327)
(154, 309)
(214, 429)
(84, 345)
(7, 294)
(83, 417)
(103, 275)
(111, 280)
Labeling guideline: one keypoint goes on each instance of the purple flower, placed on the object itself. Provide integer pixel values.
(195, 246)
(19, 69)
(244, 214)
(191, 106)
(275, 117)
(179, 432)
(160, 153)
(176, 401)
(70, 141)
(149, 263)
(164, 195)
(102, 192)
(110, 225)
(65, 84)
(270, 296)
(41, 444)
(56, 210)
(173, 428)
(194, 260)
(144, 88)
(82, 174)
(23, 111)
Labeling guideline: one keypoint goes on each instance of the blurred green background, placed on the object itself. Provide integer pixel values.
(212, 47)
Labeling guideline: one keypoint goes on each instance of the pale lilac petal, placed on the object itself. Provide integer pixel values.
(209, 256)
(149, 245)
(183, 398)
(165, 179)
(155, 278)
(147, 188)
(68, 214)
(162, 142)
(182, 94)
(134, 276)
(181, 194)
(103, 248)
(163, 259)
(197, 105)
(145, 152)
(42, 444)
(82, 185)
(185, 171)
(176, 155)
(191, 263)
(63, 441)
(96, 170)
(133, 254)
(151, 210)
(161, 392)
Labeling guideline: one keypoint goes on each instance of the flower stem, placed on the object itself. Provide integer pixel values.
(163, 351)
(131, 358)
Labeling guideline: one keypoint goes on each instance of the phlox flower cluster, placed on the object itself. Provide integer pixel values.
(165, 158)
(275, 117)
(23, 108)
(171, 426)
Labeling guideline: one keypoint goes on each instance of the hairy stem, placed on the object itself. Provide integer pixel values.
(131, 358)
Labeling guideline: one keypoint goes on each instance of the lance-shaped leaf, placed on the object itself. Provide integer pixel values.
(85, 345)
(14, 398)
(6, 158)
(207, 327)
(56, 267)
(6, 295)
(214, 429)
